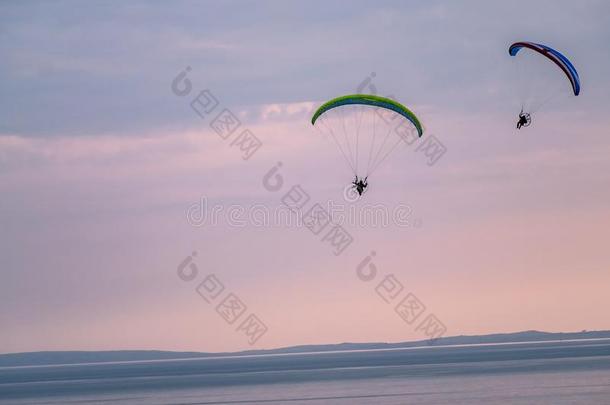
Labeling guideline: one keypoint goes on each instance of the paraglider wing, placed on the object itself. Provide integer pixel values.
(553, 55)
(369, 99)
(358, 123)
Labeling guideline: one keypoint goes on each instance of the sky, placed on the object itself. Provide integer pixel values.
(104, 168)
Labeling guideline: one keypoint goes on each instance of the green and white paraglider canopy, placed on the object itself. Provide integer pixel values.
(362, 126)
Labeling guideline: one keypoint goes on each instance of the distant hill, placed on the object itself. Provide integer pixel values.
(75, 357)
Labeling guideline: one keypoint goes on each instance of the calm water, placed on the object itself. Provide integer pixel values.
(542, 373)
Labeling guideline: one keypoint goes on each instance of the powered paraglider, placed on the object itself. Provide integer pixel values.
(538, 80)
(362, 126)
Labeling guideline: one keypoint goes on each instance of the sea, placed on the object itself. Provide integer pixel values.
(555, 372)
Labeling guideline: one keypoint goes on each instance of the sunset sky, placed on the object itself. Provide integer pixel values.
(100, 162)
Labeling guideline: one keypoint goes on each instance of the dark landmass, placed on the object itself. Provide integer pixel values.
(77, 357)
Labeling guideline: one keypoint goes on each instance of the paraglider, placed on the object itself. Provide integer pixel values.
(539, 83)
(361, 126)
(360, 185)
(524, 120)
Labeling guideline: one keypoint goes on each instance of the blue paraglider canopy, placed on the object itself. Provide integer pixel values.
(553, 55)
